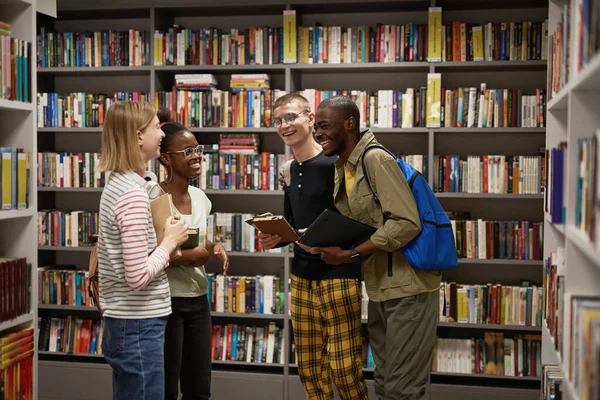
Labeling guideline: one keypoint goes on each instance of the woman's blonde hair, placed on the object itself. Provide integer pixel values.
(120, 148)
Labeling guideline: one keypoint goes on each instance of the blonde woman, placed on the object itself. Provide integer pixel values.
(134, 290)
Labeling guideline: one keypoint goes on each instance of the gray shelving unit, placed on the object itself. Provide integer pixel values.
(282, 381)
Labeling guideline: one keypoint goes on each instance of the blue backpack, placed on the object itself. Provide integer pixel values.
(434, 248)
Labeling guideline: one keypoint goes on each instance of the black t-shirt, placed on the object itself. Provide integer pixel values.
(310, 192)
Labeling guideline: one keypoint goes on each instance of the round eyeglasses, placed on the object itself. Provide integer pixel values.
(289, 118)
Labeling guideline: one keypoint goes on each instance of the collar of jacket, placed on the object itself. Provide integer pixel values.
(366, 137)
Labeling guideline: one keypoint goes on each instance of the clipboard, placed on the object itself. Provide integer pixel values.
(334, 229)
(274, 225)
(162, 208)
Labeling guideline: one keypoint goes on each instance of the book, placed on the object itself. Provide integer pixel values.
(334, 229)
(274, 225)
(162, 208)
(193, 239)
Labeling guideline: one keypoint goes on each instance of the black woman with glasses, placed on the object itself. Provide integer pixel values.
(325, 299)
(188, 334)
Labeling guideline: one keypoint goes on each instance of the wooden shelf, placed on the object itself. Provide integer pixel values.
(68, 189)
(491, 327)
(503, 66)
(506, 196)
(243, 363)
(499, 261)
(11, 105)
(66, 307)
(64, 248)
(12, 323)
(144, 69)
(490, 130)
(405, 66)
(494, 377)
(62, 354)
(14, 214)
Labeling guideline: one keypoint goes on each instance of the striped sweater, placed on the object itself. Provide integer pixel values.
(133, 282)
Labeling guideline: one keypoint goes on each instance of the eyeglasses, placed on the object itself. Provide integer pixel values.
(289, 118)
(189, 152)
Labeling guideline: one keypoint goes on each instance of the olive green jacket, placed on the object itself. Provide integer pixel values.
(383, 281)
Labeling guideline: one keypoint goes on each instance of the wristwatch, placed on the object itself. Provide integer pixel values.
(355, 257)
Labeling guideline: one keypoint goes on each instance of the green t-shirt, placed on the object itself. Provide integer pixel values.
(191, 281)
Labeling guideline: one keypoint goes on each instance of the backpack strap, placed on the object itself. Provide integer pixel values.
(362, 160)
(287, 172)
(366, 176)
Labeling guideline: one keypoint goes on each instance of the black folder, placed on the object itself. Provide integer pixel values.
(334, 229)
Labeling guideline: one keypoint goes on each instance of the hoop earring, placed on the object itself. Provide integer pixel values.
(169, 173)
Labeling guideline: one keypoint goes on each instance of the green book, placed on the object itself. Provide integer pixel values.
(193, 239)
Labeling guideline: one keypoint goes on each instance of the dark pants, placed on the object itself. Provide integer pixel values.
(402, 333)
(134, 350)
(188, 341)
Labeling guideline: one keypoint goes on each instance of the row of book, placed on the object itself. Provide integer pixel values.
(559, 67)
(552, 382)
(587, 203)
(491, 304)
(494, 355)
(15, 178)
(573, 320)
(554, 295)
(64, 285)
(483, 107)
(469, 107)
(313, 44)
(231, 230)
(505, 240)
(489, 174)
(105, 48)
(382, 43)
(15, 68)
(76, 170)
(587, 35)
(252, 344)
(70, 335)
(15, 283)
(260, 294)
(17, 364)
(66, 228)
(380, 108)
(178, 45)
(78, 109)
(555, 174)
(220, 108)
(492, 41)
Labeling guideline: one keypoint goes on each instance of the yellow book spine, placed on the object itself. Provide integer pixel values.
(6, 180)
(434, 92)
(435, 35)
(289, 36)
(477, 43)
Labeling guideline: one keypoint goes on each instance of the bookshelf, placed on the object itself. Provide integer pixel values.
(571, 240)
(281, 380)
(18, 230)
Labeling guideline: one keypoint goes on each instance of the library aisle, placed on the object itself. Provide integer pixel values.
(494, 102)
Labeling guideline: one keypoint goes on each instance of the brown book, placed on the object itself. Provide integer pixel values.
(275, 225)
(162, 208)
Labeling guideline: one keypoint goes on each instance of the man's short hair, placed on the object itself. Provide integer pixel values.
(290, 98)
(345, 105)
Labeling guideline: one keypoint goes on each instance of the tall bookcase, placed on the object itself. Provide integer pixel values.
(572, 205)
(18, 228)
(282, 381)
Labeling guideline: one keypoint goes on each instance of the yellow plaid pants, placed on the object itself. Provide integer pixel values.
(326, 322)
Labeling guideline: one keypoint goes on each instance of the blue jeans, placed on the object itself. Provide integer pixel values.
(134, 348)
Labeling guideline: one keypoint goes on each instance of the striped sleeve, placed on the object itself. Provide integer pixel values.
(132, 213)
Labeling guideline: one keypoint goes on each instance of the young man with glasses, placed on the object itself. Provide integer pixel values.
(325, 299)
